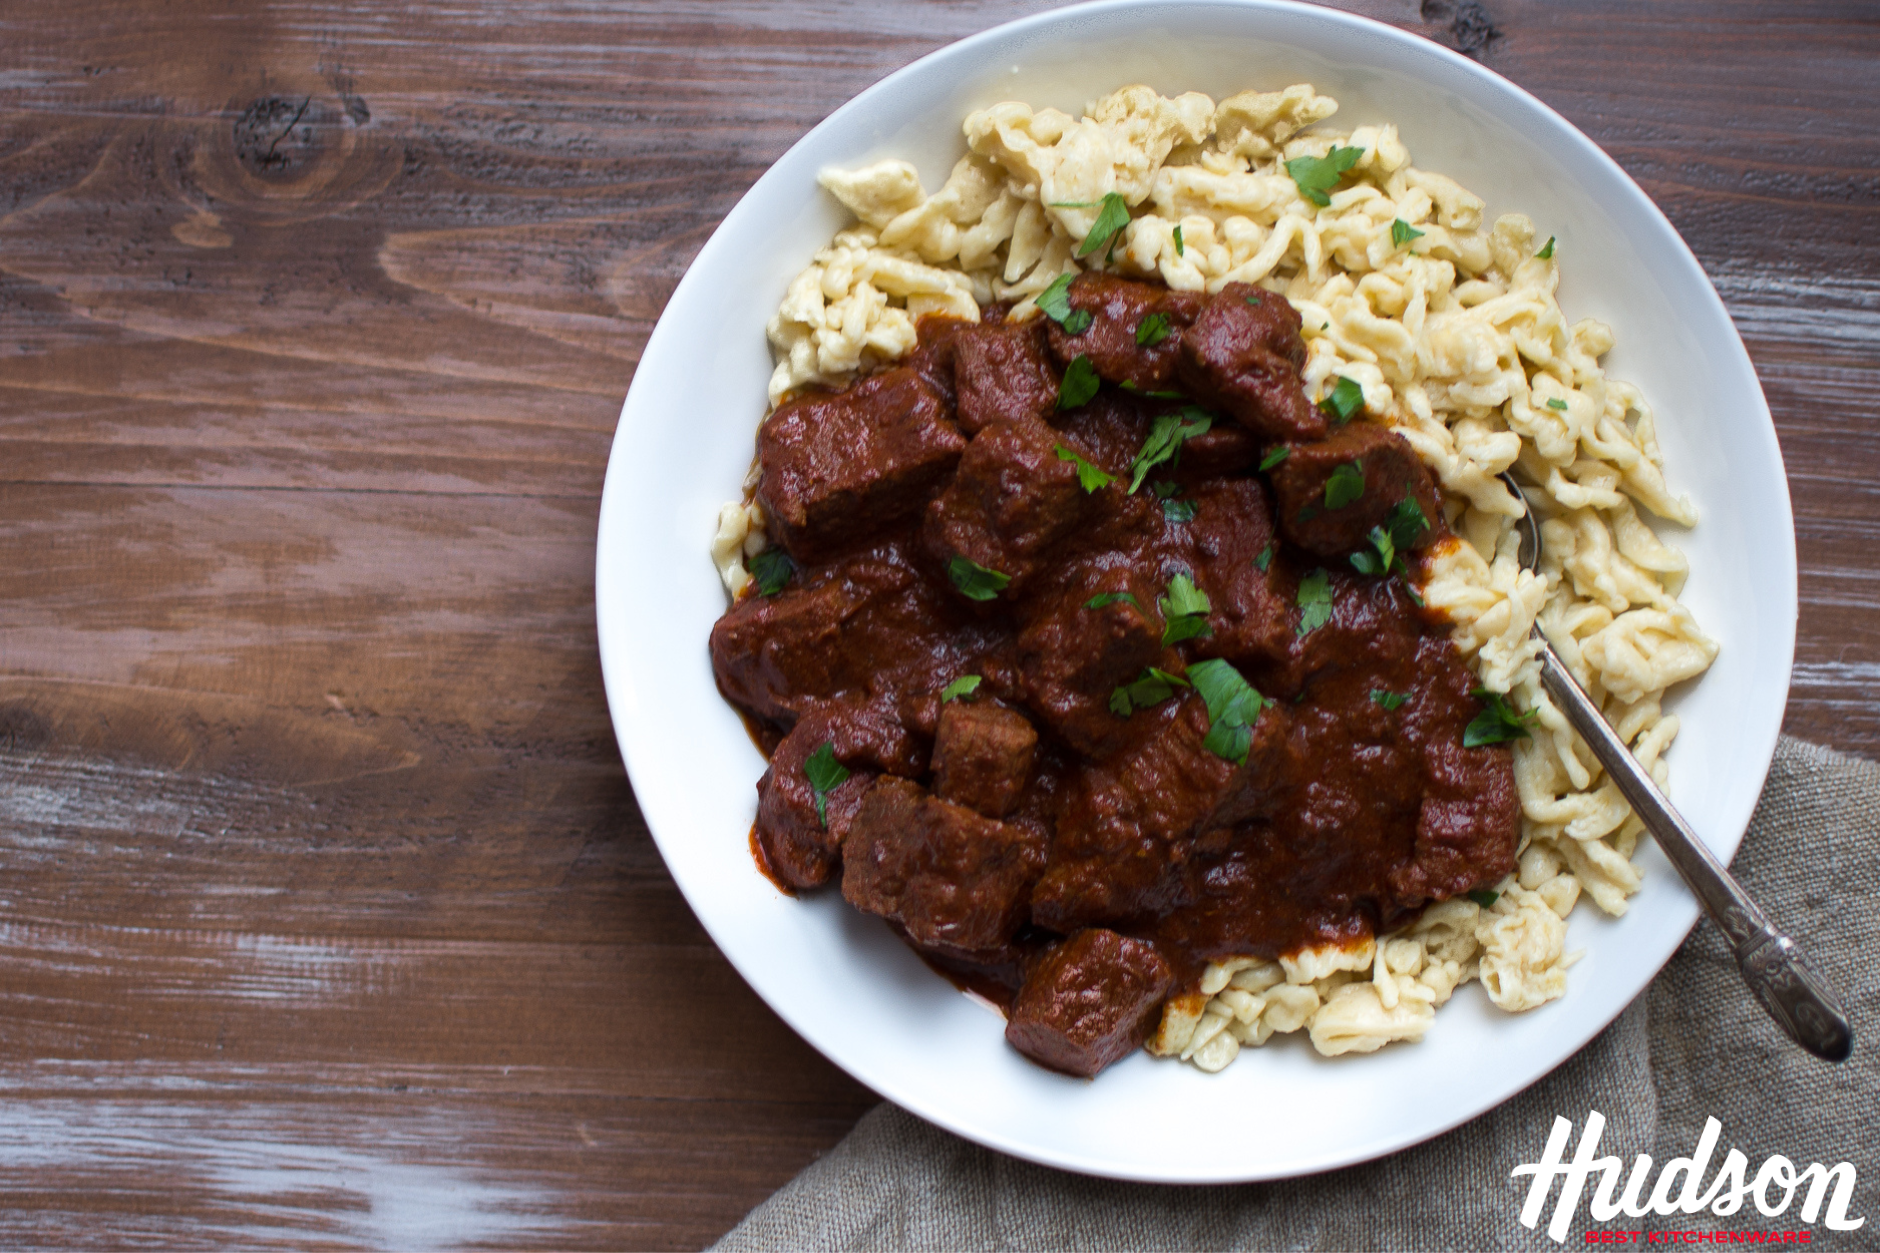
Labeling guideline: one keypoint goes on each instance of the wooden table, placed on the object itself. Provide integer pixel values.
(326, 914)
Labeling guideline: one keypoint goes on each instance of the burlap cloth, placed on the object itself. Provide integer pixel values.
(1693, 1047)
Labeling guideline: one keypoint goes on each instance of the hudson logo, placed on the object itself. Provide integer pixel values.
(1677, 1190)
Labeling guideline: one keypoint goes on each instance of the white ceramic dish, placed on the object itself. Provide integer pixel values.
(685, 441)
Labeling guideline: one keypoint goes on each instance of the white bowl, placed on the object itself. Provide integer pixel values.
(839, 978)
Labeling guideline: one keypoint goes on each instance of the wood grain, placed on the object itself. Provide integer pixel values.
(326, 915)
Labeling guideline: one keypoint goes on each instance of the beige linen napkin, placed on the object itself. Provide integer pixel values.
(1694, 1047)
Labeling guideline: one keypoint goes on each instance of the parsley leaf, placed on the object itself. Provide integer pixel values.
(825, 775)
(1179, 250)
(1111, 218)
(1264, 560)
(1401, 233)
(1106, 599)
(1088, 475)
(1154, 687)
(1178, 510)
(1378, 562)
(1078, 322)
(771, 568)
(1055, 301)
(1233, 707)
(1547, 252)
(1184, 611)
(1314, 176)
(1497, 723)
(1165, 441)
(1389, 700)
(1254, 301)
(1343, 400)
(1274, 456)
(965, 685)
(1344, 485)
(976, 582)
(1079, 384)
(1315, 602)
(1483, 897)
(1152, 330)
(1554, 402)
(1407, 522)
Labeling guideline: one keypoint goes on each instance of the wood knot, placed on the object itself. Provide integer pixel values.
(281, 138)
(22, 730)
(1466, 24)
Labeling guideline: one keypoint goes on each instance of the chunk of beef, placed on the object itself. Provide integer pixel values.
(836, 468)
(799, 844)
(1001, 374)
(1229, 545)
(982, 756)
(1118, 307)
(1470, 819)
(932, 357)
(1110, 429)
(1089, 1002)
(953, 879)
(1073, 654)
(1224, 448)
(1391, 472)
(1243, 355)
(850, 626)
(1126, 822)
(1011, 500)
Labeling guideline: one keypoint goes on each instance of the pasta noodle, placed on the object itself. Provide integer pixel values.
(1449, 325)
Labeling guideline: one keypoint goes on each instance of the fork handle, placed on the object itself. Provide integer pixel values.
(1770, 963)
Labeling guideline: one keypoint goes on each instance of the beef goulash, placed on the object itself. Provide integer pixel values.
(1094, 660)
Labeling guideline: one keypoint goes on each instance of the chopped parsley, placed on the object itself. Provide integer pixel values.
(1264, 560)
(1079, 383)
(1497, 723)
(1315, 176)
(1547, 251)
(1254, 301)
(1484, 898)
(1233, 707)
(1055, 301)
(1179, 250)
(1152, 330)
(1106, 599)
(1380, 561)
(1078, 322)
(1165, 441)
(1344, 485)
(1315, 602)
(1274, 456)
(1407, 521)
(825, 775)
(1154, 687)
(1088, 475)
(1178, 510)
(771, 569)
(1390, 700)
(976, 582)
(1184, 611)
(1112, 217)
(1343, 400)
(1554, 402)
(1401, 233)
(965, 685)
(1399, 532)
